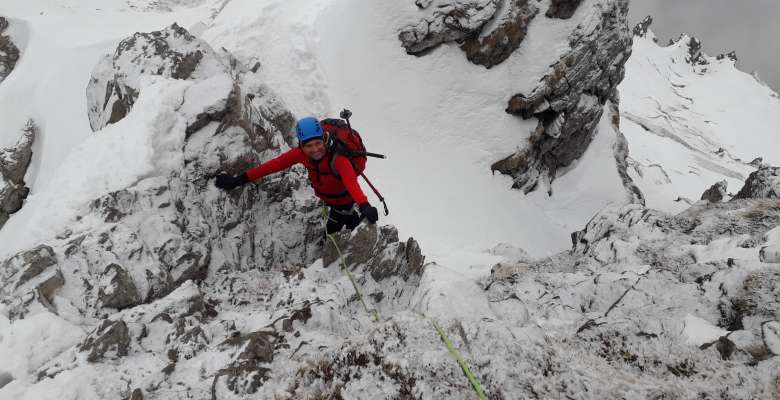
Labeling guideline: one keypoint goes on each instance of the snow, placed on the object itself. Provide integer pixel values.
(440, 120)
(121, 155)
(700, 331)
(689, 127)
(48, 82)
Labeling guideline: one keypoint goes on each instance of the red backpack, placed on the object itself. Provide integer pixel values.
(345, 141)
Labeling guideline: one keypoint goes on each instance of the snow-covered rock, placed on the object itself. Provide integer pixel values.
(570, 100)
(716, 192)
(172, 53)
(9, 53)
(504, 35)
(651, 297)
(14, 162)
(761, 184)
(446, 21)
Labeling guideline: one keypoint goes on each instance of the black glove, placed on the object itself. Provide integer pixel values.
(229, 182)
(368, 212)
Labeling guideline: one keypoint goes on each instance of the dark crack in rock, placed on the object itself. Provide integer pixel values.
(109, 340)
(14, 162)
(569, 102)
(9, 53)
(562, 9)
(716, 192)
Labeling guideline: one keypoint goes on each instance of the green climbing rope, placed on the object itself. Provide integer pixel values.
(344, 268)
(463, 366)
(472, 379)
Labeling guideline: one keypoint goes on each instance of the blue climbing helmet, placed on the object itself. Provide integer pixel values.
(308, 129)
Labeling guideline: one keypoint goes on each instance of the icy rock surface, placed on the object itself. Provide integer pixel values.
(764, 184)
(172, 52)
(659, 303)
(14, 162)
(219, 295)
(716, 192)
(487, 31)
(570, 99)
(9, 53)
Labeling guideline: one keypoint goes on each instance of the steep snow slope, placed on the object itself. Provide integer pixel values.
(692, 120)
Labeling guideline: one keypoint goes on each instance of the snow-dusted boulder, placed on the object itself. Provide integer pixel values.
(446, 21)
(570, 100)
(9, 53)
(466, 23)
(493, 47)
(14, 162)
(109, 340)
(716, 192)
(562, 8)
(761, 184)
(117, 79)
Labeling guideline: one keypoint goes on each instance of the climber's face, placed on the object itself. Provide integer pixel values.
(314, 149)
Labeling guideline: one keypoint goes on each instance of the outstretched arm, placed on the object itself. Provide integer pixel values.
(282, 162)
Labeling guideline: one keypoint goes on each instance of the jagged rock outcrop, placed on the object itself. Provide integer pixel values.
(465, 22)
(570, 100)
(563, 9)
(445, 22)
(761, 184)
(402, 259)
(173, 52)
(716, 192)
(643, 27)
(493, 48)
(110, 340)
(117, 289)
(9, 53)
(640, 285)
(14, 162)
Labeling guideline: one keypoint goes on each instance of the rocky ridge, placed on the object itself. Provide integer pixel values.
(14, 162)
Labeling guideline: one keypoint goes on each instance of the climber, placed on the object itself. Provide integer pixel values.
(332, 175)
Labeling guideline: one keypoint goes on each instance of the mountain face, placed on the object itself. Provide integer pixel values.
(14, 162)
(131, 276)
(715, 122)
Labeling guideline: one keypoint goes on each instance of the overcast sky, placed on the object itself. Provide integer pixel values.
(750, 27)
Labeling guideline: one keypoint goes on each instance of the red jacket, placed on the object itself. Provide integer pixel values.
(327, 186)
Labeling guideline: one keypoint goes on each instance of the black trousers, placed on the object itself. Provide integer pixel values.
(341, 216)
